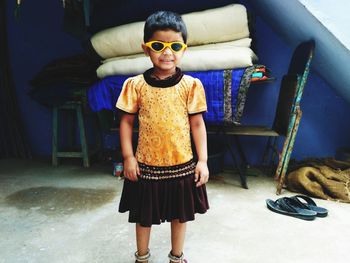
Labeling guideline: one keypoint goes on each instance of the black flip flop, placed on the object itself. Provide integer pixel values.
(310, 204)
(287, 206)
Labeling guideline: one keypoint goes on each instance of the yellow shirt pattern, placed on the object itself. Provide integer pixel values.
(164, 128)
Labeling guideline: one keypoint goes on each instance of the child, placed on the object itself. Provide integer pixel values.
(162, 181)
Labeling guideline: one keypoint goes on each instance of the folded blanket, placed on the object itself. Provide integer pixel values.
(322, 178)
(228, 55)
(214, 25)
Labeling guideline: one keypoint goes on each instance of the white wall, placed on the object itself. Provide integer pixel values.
(335, 15)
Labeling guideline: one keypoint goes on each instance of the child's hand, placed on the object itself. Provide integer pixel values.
(131, 169)
(201, 174)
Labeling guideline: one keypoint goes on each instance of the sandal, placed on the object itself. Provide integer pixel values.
(310, 204)
(290, 207)
(143, 258)
(177, 259)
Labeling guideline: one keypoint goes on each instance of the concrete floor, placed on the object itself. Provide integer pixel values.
(69, 214)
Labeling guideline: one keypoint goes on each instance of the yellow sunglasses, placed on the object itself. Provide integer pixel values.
(159, 46)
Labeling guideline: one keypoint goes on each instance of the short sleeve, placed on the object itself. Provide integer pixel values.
(196, 101)
(128, 98)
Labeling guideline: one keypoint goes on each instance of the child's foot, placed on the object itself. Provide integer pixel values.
(177, 259)
(142, 258)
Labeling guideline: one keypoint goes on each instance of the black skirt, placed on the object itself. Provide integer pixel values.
(163, 194)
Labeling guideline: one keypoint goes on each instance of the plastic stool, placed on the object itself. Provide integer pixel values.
(77, 107)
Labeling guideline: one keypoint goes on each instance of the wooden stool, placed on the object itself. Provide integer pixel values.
(77, 107)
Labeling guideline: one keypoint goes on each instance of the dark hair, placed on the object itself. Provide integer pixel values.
(162, 20)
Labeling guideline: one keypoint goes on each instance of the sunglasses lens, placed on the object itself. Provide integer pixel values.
(176, 46)
(157, 46)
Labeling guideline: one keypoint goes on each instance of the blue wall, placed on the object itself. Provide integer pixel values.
(325, 124)
(37, 39)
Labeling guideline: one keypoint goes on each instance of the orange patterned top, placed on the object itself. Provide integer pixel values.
(164, 128)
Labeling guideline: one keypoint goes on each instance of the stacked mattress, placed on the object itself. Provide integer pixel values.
(218, 53)
(217, 39)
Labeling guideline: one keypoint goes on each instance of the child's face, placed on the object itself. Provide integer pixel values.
(165, 62)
